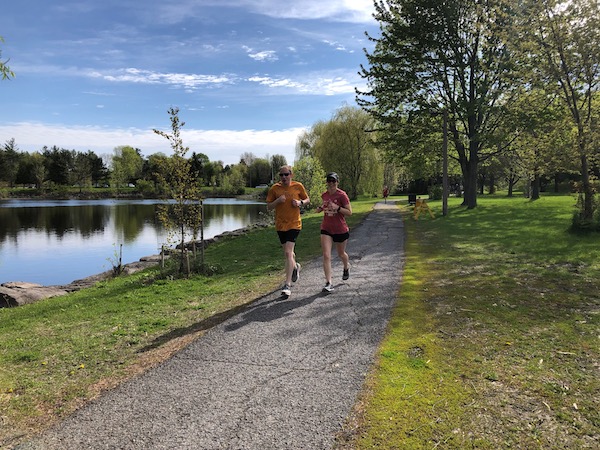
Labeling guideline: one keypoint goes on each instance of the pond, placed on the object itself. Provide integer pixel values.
(55, 242)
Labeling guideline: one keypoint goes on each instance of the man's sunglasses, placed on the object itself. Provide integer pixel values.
(284, 174)
(331, 180)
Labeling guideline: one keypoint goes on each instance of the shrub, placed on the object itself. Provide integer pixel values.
(581, 225)
(435, 192)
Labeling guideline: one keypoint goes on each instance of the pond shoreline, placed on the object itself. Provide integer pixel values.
(19, 293)
(28, 194)
(54, 257)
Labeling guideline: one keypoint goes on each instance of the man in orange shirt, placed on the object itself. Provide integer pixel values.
(286, 198)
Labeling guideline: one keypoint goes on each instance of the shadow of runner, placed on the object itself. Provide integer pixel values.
(255, 312)
(203, 325)
(271, 310)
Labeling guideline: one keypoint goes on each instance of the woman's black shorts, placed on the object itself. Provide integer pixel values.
(337, 237)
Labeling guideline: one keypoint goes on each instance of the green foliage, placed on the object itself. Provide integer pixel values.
(10, 159)
(234, 181)
(127, 164)
(116, 261)
(259, 172)
(309, 172)
(560, 44)
(5, 71)
(434, 56)
(278, 161)
(146, 187)
(435, 192)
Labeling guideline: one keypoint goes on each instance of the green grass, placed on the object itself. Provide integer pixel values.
(494, 341)
(58, 353)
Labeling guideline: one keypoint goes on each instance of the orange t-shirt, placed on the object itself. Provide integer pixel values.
(287, 216)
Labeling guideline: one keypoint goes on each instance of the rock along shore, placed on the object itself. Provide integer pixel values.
(19, 293)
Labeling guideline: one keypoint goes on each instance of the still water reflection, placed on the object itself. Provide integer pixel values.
(54, 242)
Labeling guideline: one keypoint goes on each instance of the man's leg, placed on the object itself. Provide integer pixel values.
(290, 261)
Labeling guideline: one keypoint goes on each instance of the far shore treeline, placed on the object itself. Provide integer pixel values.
(58, 171)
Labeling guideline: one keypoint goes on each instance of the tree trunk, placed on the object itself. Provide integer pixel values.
(588, 193)
(492, 184)
(482, 182)
(470, 182)
(471, 166)
(535, 188)
(469, 174)
(512, 181)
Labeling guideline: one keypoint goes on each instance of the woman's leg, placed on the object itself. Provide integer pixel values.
(341, 251)
(326, 244)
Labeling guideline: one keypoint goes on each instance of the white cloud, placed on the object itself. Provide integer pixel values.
(355, 11)
(187, 80)
(268, 55)
(313, 84)
(218, 145)
(338, 46)
(318, 83)
(278, 83)
(358, 11)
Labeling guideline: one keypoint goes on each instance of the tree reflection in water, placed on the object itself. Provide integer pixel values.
(57, 242)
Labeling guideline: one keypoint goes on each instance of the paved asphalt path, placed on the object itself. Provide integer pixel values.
(282, 374)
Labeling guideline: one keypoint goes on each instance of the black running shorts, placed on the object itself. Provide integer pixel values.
(288, 236)
(337, 237)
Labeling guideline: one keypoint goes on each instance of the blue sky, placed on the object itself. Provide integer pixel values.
(247, 75)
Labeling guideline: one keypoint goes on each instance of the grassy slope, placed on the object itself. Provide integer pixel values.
(58, 353)
(494, 342)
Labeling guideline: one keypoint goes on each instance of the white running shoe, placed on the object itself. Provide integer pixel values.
(286, 291)
(328, 287)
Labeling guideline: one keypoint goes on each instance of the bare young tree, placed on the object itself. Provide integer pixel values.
(186, 213)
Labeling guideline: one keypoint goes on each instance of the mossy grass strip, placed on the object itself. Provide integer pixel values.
(494, 341)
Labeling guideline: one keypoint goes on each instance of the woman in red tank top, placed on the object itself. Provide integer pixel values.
(334, 229)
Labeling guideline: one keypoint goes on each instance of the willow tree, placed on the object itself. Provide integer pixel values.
(345, 144)
(5, 72)
(447, 56)
(309, 172)
(182, 186)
